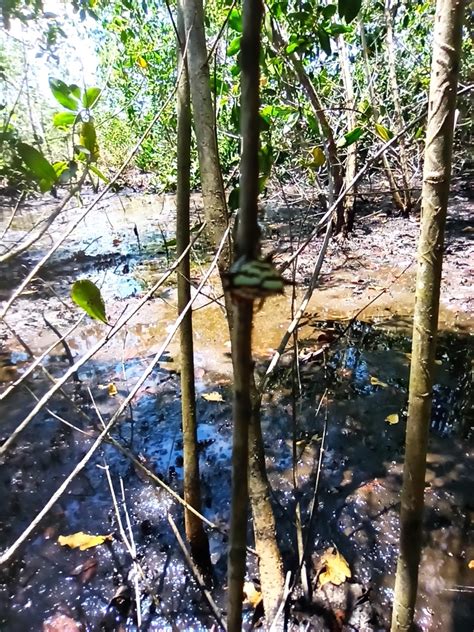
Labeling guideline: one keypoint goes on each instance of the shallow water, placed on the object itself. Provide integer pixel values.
(361, 471)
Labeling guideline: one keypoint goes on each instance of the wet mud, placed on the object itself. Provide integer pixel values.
(364, 375)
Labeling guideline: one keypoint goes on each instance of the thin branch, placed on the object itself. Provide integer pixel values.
(8, 554)
(12, 216)
(89, 354)
(197, 575)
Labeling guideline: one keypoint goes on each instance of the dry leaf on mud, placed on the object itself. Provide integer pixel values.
(112, 389)
(213, 397)
(392, 419)
(335, 568)
(83, 541)
(376, 382)
(252, 596)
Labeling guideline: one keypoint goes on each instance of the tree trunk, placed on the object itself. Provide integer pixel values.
(270, 563)
(213, 194)
(216, 215)
(335, 172)
(351, 162)
(247, 244)
(436, 178)
(195, 533)
(396, 197)
(389, 12)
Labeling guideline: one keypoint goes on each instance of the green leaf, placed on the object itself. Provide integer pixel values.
(88, 297)
(350, 137)
(65, 171)
(234, 46)
(383, 133)
(348, 9)
(88, 139)
(41, 169)
(292, 47)
(63, 94)
(324, 41)
(234, 199)
(328, 11)
(64, 119)
(99, 173)
(235, 20)
(90, 97)
(75, 90)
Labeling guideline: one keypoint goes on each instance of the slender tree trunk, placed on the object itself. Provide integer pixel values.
(270, 563)
(213, 194)
(247, 244)
(397, 200)
(195, 533)
(335, 171)
(389, 12)
(351, 162)
(216, 215)
(436, 179)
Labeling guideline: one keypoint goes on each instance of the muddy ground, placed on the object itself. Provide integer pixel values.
(124, 245)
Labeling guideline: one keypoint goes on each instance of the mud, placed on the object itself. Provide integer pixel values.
(357, 503)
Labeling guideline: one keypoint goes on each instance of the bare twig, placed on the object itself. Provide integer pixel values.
(12, 216)
(89, 354)
(197, 575)
(8, 554)
(128, 543)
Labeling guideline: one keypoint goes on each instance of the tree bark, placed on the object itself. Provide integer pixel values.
(389, 12)
(247, 243)
(351, 162)
(335, 171)
(216, 215)
(397, 199)
(194, 528)
(436, 179)
(213, 194)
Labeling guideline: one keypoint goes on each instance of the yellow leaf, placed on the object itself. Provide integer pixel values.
(142, 62)
(336, 569)
(383, 133)
(112, 389)
(392, 419)
(252, 596)
(318, 157)
(213, 397)
(376, 382)
(83, 541)
(471, 564)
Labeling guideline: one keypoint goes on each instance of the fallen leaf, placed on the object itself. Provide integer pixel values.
(112, 389)
(336, 569)
(376, 382)
(392, 419)
(471, 564)
(252, 595)
(213, 397)
(82, 540)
